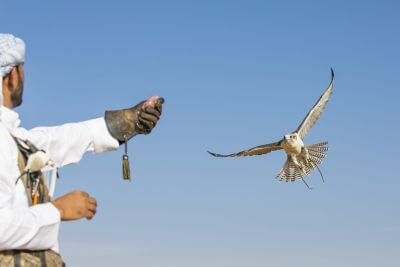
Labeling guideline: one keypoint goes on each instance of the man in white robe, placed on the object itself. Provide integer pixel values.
(36, 228)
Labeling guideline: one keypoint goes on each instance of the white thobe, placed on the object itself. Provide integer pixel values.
(36, 227)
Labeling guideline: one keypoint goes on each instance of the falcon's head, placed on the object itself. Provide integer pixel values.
(291, 138)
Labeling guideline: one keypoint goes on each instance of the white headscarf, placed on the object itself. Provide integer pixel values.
(12, 53)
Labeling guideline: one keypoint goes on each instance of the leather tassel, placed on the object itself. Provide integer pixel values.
(126, 170)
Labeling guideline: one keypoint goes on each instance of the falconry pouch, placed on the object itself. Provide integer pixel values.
(35, 186)
(37, 192)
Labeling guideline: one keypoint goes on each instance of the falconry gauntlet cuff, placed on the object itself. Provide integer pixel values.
(124, 124)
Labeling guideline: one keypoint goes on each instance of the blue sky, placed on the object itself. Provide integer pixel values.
(235, 74)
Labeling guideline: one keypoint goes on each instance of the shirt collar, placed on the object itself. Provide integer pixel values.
(9, 117)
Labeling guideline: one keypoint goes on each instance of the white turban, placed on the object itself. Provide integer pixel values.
(12, 53)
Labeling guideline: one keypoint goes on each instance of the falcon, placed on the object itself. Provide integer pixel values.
(301, 158)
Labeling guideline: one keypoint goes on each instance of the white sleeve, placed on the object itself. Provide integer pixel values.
(67, 143)
(23, 227)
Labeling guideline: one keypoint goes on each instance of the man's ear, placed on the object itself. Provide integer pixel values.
(13, 78)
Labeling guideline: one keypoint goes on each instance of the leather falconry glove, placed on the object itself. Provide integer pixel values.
(124, 124)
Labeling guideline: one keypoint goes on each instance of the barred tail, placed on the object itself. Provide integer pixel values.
(291, 172)
(317, 153)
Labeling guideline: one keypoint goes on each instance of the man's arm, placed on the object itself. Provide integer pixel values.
(67, 143)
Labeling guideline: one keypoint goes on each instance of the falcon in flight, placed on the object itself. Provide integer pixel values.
(301, 159)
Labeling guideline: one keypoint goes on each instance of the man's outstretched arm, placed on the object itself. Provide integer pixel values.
(68, 143)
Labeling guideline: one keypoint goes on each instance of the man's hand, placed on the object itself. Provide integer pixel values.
(141, 119)
(76, 205)
(149, 113)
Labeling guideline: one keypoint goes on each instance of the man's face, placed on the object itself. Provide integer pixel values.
(17, 92)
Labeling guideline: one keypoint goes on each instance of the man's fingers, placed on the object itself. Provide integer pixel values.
(92, 200)
(159, 108)
(148, 124)
(160, 100)
(153, 112)
(92, 208)
(89, 215)
(148, 117)
(159, 104)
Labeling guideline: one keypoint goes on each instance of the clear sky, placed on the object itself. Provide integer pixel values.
(234, 74)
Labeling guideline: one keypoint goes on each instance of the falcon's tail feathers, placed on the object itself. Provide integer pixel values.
(317, 152)
(290, 172)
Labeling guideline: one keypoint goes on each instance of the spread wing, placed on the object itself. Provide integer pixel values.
(258, 150)
(316, 111)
